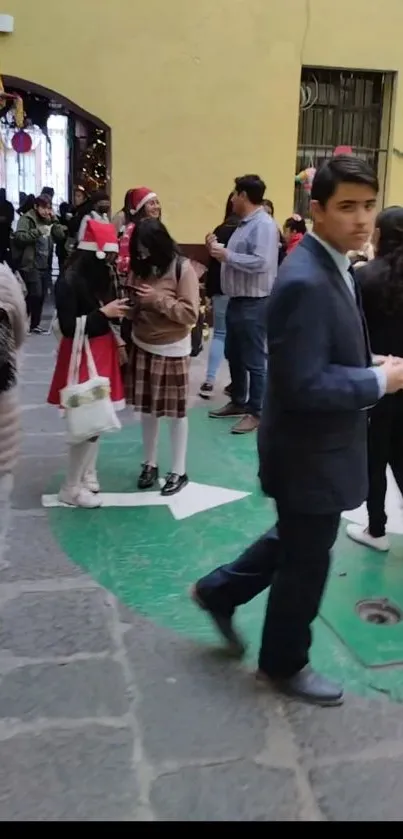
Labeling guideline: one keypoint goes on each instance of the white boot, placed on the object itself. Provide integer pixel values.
(73, 492)
(90, 480)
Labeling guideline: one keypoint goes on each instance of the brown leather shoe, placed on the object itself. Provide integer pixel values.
(229, 410)
(245, 425)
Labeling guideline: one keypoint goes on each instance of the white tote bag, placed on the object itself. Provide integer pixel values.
(88, 406)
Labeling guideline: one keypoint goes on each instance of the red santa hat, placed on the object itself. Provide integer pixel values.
(99, 237)
(140, 196)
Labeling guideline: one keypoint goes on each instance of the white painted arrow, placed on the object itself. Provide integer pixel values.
(393, 508)
(194, 498)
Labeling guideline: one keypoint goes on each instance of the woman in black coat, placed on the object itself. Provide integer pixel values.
(381, 284)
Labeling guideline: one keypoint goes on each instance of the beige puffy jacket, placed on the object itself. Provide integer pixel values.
(12, 302)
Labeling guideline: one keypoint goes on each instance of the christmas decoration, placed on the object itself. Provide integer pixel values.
(13, 100)
(93, 168)
(21, 142)
(305, 177)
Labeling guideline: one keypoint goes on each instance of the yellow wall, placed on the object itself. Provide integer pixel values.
(198, 91)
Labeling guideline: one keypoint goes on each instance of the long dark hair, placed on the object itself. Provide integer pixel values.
(127, 207)
(390, 250)
(229, 212)
(97, 274)
(151, 235)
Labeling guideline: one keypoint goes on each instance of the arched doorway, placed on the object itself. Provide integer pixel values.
(69, 145)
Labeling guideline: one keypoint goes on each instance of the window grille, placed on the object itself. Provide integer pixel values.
(342, 108)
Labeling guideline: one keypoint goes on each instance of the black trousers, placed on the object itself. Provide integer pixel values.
(385, 446)
(293, 558)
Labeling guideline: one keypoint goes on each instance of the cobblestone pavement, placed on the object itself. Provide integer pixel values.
(104, 716)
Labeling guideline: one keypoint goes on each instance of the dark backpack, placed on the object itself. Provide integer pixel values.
(197, 331)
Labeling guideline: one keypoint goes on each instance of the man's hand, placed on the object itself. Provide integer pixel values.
(218, 252)
(377, 360)
(393, 368)
(147, 293)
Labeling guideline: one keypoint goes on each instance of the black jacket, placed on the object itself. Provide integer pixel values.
(385, 328)
(75, 296)
(223, 232)
(312, 437)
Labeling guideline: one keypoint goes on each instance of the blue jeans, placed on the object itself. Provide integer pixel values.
(216, 352)
(246, 351)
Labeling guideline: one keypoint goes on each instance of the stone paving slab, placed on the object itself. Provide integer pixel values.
(67, 774)
(31, 552)
(104, 716)
(242, 791)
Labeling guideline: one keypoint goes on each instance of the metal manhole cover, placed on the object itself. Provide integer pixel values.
(380, 611)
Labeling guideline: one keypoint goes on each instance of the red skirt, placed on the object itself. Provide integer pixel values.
(106, 357)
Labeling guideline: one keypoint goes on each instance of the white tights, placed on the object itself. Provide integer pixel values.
(82, 458)
(179, 439)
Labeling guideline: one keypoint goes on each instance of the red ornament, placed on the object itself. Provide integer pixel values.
(21, 142)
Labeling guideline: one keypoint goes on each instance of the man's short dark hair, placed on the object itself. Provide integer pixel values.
(343, 169)
(253, 186)
(42, 200)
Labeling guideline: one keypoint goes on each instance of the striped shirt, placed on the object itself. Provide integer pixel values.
(252, 257)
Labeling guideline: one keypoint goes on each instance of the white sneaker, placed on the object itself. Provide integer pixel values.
(90, 482)
(79, 497)
(361, 534)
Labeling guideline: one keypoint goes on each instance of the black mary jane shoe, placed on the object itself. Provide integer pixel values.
(148, 476)
(174, 483)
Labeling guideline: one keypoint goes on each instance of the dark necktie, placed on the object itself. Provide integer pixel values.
(358, 297)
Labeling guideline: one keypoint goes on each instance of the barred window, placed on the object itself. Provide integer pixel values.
(342, 108)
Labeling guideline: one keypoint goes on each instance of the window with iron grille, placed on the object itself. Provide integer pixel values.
(342, 108)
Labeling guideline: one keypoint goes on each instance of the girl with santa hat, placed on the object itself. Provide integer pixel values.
(140, 203)
(88, 287)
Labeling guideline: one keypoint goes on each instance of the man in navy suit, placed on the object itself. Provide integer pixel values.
(312, 439)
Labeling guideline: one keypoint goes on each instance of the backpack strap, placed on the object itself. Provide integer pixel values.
(178, 267)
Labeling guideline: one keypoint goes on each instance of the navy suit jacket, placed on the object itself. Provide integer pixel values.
(312, 438)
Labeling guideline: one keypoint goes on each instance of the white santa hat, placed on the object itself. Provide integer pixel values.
(99, 237)
(139, 197)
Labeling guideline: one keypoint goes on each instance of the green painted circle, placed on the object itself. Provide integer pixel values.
(148, 559)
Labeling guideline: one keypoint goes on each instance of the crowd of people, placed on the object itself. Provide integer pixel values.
(315, 359)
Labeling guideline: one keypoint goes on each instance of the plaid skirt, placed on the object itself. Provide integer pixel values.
(157, 384)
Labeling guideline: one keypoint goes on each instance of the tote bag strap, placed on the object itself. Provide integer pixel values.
(92, 370)
(76, 351)
(81, 343)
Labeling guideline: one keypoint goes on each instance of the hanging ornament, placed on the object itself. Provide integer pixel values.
(2, 99)
(305, 177)
(19, 112)
(21, 142)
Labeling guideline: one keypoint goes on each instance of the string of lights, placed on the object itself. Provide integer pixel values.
(93, 168)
